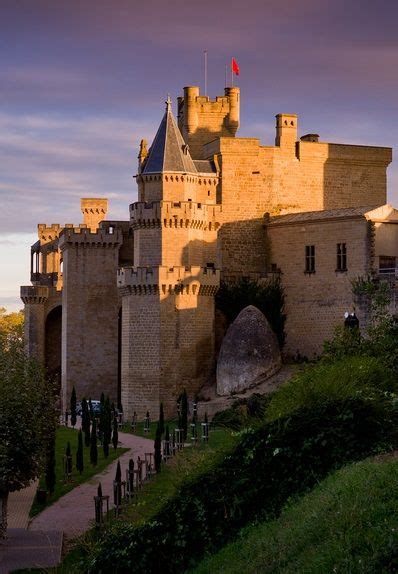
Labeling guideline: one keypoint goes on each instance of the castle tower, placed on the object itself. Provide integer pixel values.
(202, 120)
(91, 308)
(168, 295)
(94, 211)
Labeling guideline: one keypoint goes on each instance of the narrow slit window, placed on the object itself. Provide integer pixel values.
(341, 257)
(310, 258)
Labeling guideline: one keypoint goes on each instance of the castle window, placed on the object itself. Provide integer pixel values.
(387, 264)
(310, 259)
(341, 257)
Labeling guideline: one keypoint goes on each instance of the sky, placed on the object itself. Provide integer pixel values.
(81, 82)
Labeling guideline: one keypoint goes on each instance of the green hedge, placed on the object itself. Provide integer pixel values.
(268, 467)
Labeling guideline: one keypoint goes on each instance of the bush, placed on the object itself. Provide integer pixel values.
(243, 412)
(327, 382)
(268, 467)
(268, 297)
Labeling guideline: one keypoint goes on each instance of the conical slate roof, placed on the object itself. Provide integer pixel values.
(169, 151)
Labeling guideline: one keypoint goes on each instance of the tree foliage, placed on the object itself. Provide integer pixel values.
(73, 403)
(79, 453)
(267, 296)
(158, 449)
(93, 444)
(26, 414)
(161, 418)
(86, 422)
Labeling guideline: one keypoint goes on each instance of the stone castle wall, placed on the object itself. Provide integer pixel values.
(316, 302)
(90, 313)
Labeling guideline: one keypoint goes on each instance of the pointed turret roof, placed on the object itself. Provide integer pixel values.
(169, 152)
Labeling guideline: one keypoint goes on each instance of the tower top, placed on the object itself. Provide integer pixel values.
(168, 152)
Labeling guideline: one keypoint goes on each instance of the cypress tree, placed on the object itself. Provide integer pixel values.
(167, 440)
(158, 449)
(161, 419)
(101, 419)
(50, 464)
(73, 408)
(79, 453)
(107, 421)
(118, 481)
(86, 422)
(118, 475)
(69, 462)
(131, 474)
(115, 435)
(90, 409)
(184, 413)
(93, 444)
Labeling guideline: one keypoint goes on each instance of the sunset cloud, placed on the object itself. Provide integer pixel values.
(82, 82)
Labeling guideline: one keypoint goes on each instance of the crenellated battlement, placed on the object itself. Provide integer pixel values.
(182, 214)
(165, 280)
(47, 233)
(34, 294)
(111, 237)
(174, 177)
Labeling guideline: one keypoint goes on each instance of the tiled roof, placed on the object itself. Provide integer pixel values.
(204, 166)
(306, 216)
(169, 151)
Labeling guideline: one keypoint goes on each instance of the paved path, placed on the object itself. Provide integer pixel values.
(74, 512)
(25, 549)
(19, 504)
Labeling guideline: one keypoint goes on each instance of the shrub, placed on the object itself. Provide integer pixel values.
(328, 382)
(268, 467)
(73, 408)
(93, 444)
(243, 412)
(79, 453)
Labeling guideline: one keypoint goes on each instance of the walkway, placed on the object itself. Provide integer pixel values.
(74, 512)
(19, 504)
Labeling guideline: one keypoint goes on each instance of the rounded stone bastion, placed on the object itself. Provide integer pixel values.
(249, 353)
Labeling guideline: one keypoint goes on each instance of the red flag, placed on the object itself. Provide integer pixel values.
(235, 67)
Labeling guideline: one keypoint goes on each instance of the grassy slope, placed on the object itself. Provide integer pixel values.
(185, 465)
(349, 523)
(63, 436)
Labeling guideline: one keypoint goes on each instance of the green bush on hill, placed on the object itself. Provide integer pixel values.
(281, 459)
(325, 383)
(349, 523)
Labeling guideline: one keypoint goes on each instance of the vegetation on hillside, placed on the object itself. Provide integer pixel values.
(293, 453)
(348, 523)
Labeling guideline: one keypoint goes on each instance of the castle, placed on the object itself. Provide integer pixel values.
(127, 307)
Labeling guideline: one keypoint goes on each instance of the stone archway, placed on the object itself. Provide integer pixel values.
(52, 347)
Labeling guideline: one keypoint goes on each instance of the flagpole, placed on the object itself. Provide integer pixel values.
(232, 75)
(205, 70)
(226, 75)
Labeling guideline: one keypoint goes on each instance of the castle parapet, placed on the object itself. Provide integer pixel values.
(34, 294)
(111, 237)
(165, 280)
(185, 214)
(48, 233)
